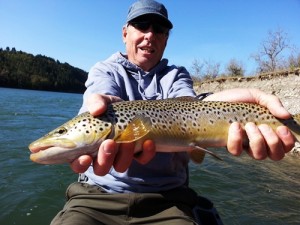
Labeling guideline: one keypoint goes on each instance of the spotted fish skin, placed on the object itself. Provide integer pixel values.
(181, 124)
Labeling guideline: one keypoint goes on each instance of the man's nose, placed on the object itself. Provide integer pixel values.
(149, 34)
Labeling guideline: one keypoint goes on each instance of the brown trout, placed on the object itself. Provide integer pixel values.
(175, 125)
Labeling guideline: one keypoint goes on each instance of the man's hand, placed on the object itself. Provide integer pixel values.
(110, 153)
(263, 141)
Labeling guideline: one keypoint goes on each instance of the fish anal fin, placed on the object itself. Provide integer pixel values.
(197, 154)
(135, 130)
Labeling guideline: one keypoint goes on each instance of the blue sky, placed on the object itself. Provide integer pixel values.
(84, 32)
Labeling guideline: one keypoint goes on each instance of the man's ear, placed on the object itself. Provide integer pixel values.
(124, 33)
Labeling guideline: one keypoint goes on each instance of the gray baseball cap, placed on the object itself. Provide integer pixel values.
(146, 7)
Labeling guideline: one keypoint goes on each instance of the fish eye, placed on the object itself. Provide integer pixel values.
(61, 130)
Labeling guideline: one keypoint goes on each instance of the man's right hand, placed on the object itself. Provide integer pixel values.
(110, 153)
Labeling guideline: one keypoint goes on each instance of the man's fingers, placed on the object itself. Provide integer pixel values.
(124, 157)
(272, 102)
(235, 139)
(105, 158)
(257, 146)
(287, 138)
(97, 103)
(111, 154)
(274, 146)
(81, 164)
(263, 141)
(148, 152)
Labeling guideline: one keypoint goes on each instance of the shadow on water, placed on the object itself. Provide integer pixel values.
(244, 191)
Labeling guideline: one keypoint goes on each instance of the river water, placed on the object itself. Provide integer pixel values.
(244, 191)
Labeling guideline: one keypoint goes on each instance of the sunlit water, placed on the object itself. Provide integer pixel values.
(244, 191)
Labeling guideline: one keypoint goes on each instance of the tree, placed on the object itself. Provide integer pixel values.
(197, 68)
(212, 69)
(270, 55)
(23, 70)
(235, 68)
(207, 69)
(294, 61)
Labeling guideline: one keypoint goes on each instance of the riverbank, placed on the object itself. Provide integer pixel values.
(284, 84)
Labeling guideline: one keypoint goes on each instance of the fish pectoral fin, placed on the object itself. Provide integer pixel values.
(197, 154)
(135, 130)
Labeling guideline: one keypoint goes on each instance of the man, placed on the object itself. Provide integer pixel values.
(118, 187)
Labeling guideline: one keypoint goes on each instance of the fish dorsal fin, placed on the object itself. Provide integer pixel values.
(135, 130)
(197, 154)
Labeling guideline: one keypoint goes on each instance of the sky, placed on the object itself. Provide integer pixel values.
(82, 33)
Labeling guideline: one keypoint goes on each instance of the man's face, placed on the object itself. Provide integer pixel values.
(145, 41)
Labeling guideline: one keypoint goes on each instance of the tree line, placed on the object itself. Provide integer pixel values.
(23, 70)
(275, 53)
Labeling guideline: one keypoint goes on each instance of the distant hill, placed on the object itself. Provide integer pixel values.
(23, 70)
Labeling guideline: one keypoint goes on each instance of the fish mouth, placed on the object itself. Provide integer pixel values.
(37, 146)
(47, 152)
(35, 149)
(50, 154)
(48, 149)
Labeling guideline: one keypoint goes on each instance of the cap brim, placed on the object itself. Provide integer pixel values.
(162, 18)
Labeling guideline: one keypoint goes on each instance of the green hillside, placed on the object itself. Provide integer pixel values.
(22, 70)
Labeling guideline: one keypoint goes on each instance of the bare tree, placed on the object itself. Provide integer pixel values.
(294, 61)
(206, 69)
(269, 57)
(197, 67)
(235, 68)
(211, 69)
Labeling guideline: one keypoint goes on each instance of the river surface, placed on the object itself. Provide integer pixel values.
(244, 191)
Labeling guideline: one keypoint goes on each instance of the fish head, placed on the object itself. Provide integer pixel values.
(79, 136)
